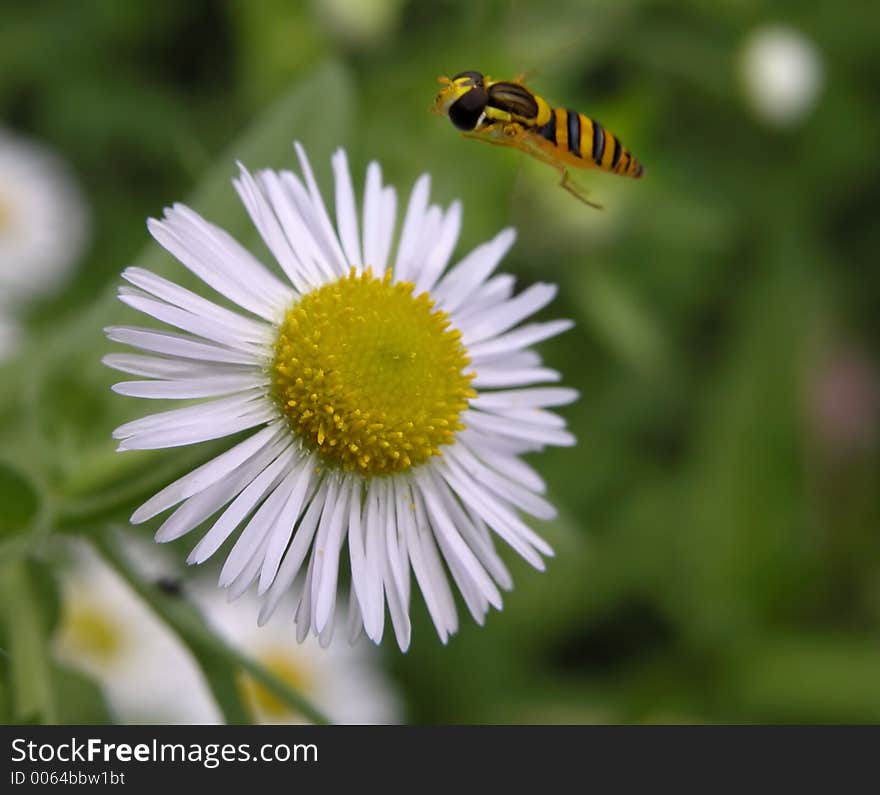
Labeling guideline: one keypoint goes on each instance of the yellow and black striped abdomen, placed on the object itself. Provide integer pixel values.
(582, 138)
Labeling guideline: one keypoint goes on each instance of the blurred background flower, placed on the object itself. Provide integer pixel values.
(43, 226)
(718, 557)
(108, 633)
(362, 23)
(844, 402)
(783, 73)
(345, 681)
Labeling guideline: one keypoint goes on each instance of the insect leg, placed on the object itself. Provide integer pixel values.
(481, 136)
(576, 190)
(516, 137)
(566, 182)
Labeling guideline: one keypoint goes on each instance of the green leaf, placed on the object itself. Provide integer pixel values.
(44, 591)
(740, 538)
(625, 326)
(80, 700)
(809, 678)
(20, 501)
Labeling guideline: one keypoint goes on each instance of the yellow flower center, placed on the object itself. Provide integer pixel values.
(262, 700)
(370, 375)
(89, 632)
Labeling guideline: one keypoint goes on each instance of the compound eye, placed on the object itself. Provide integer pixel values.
(475, 77)
(465, 112)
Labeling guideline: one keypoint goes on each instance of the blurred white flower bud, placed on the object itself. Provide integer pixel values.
(44, 224)
(360, 22)
(782, 73)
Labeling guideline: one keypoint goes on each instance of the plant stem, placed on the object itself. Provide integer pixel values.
(34, 699)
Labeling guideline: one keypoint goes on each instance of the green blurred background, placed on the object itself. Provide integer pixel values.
(718, 553)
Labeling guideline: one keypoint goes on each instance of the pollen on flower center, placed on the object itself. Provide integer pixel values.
(371, 375)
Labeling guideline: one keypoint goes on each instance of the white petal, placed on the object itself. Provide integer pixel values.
(346, 210)
(426, 578)
(270, 230)
(385, 229)
(509, 313)
(249, 573)
(231, 406)
(539, 417)
(497, 515)
(501, 376)
(328, 570)
(372, 216)
(446, 531)
(241, 506)
(355, 620)
(221, 251)
(319, 548)
(180, 345)
(193, 511)
(235, 407)
(207, 474)
(326, 635)
(307, 235)
(375, 552)
(467, 276)
(424, 244)
(398, 605)
(203, 431)
(217, 263)
(158, 367)
(303, 615)
(438, 257)
(475, 600)
(492, 294)
(514, 468)
(298, 498)
(305, 253)
(296, 554)
(246, 328)
(210, 386)
(503, 487)
(518, 339)
(539, 434)
(357, 557)
(207, 328)
(329, 236)
(515, 399)
(395, 536)
(479, 542)
(259, 526)
(412, 226)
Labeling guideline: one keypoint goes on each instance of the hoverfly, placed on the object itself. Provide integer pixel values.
(506, 113)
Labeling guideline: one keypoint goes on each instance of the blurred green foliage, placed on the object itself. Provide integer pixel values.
(718, 553)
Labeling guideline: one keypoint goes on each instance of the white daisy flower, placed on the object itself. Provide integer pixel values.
(344, 681)
(43, 220)
(360, 22)
(782, 73)
(109, 634)
(43, 226)
(393, 400)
